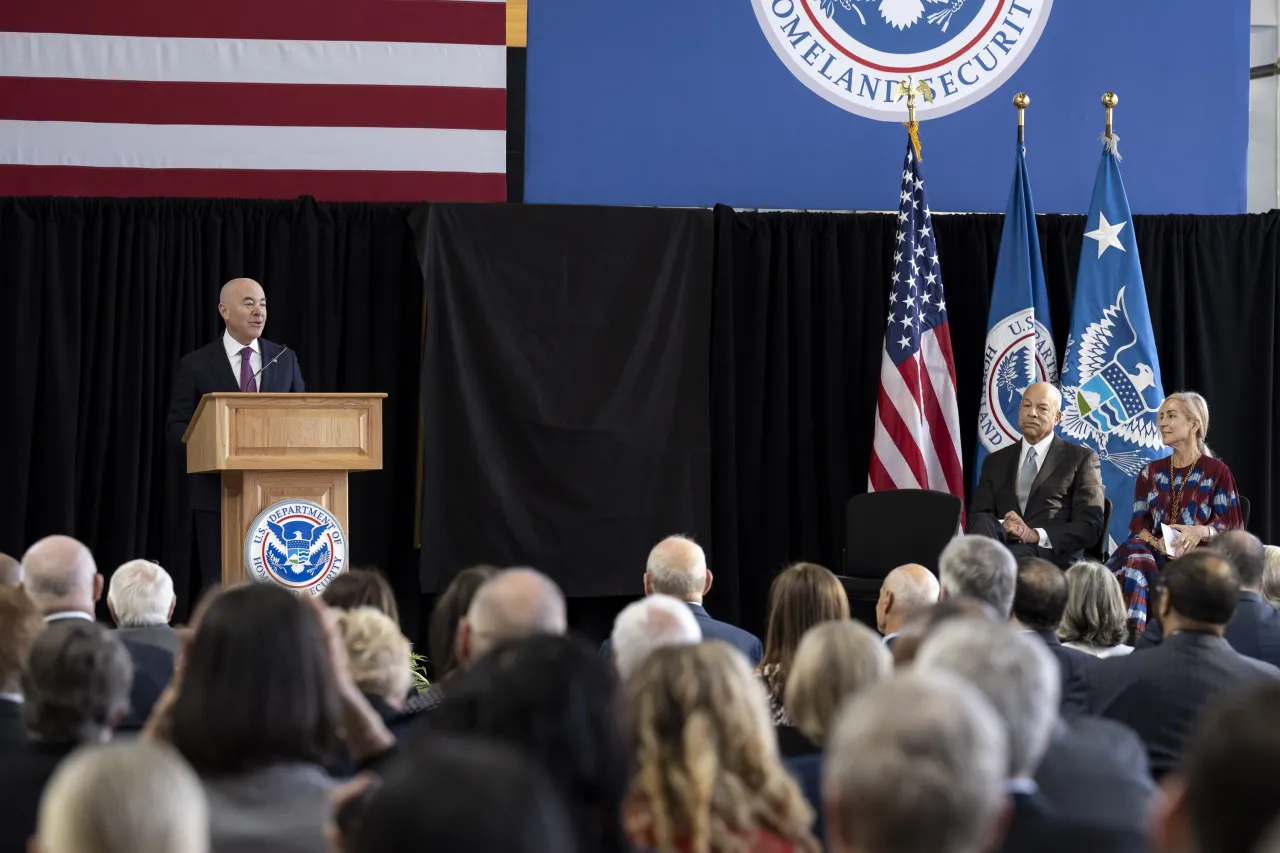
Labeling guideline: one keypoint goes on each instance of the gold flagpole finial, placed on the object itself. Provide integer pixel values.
(1021, 100)
(1109, 100)
(909, 89)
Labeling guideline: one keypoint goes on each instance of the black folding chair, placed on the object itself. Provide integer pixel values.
(1099, 550)
(1245, 506)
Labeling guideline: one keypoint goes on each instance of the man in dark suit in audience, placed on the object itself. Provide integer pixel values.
(1255, 629)
(677, 567)
(1039, 600)
(20, 624)
(239, 360)
(1042, 496)
(1160, 692)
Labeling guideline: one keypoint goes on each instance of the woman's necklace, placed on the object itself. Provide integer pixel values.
(1175, 497)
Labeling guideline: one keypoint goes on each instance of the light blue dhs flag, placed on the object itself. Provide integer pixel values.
(1111, 385)
(1019, 342)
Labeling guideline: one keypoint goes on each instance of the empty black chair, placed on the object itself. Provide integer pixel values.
(1244, 510)
(1099, 550)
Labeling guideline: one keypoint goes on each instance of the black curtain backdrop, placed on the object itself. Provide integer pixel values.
(565, 389)
(103, 296)
(800, 308)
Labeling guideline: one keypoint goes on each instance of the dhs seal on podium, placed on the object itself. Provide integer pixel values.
(296, 544)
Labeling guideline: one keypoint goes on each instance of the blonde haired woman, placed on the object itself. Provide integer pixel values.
(1271, 576)
(708, 778)
(1191, 491)
(380, 660)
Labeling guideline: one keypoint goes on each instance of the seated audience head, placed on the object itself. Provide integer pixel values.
(75, 687)
(1197, 592)
(141, 595)
(916, 764)
(1225, 798)
(513, 604)
(60, 576)
(905, 590)
(123, 798)
(979, 567)
(10, 571)
(553, 699)
(20, 624)
(1271, 577)
(1040, 595)
(1095, 613)
(463, 795)
(802, 595)
(450, 609)
(653, 622)
(925, 622)
(362, 588)
(677, 566)
(1245, 551)
(706, 755)
(1016, 672)
(835, 660)
(380, 657)
(258, 687)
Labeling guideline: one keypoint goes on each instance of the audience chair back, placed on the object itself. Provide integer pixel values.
(1245, 506)
(1098, 551)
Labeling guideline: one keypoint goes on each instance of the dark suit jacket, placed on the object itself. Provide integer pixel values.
(1066, 497)
(1036, 826)
(23, 774)
(1159, 692)
(1095, 774)
(1253, 632)
(1071, 663)
(713, 629)
(807, 771)
(12, 731)
(208, 370)
(152, 670)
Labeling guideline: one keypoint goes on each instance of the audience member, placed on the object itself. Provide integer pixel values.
(363, 588)
(511, 605)
(1271, 580)
(1039, 600)
(141, 601)
(460, 795)
(1095, 620)
(1225, 798)
(1160, 692)
(10, 571)
(925, 622)
(379, 658)
(554, 700)
(802, 595)
(677, 566)
(442, 634)
(256, 710)
(981, 568)
(905, 590)
(20, 624)
(75, 690)
(707, 773)
(836, 660)
(123, 798)
(654, 622)
(916, 764)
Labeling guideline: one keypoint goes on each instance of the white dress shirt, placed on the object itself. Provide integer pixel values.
(68, 614)
(1042, 449)
(233, 347)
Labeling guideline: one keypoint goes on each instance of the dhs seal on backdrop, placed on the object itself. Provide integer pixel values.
(296, 544)
(855, 52)
(1019, 354)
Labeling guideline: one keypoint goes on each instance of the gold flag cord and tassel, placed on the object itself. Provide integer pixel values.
(909, 89)
(1110, 140)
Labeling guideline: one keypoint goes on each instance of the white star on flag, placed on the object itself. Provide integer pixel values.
(1107, 234)
(905, 342)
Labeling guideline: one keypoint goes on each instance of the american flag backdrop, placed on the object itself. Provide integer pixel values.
(376, 100)
(917, 431)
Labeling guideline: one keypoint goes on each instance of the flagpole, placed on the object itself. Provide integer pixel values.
(1110, 140)
(1022, 100)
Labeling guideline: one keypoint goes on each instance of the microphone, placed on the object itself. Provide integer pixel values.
(255, 376)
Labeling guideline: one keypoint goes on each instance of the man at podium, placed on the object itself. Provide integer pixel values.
(239, 360)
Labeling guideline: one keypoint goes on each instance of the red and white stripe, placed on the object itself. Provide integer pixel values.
(380, 100)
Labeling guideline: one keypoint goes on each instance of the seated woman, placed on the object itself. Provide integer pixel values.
(1191, 491)
(379, 658)
(1094, 621)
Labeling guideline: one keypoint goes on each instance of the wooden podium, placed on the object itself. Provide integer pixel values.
(273, 447)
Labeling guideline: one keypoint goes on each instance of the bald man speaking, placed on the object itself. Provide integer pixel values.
(239, 360)
(1042, 496)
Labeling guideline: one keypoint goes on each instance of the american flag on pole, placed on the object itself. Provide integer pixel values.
(376, 100)
(917, 432)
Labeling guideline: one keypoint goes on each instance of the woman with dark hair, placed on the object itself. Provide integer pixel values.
(553, 699)
(443, 631)
(802, 595)
(256, 709)
(362, 588)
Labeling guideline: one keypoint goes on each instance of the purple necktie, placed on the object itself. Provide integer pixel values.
(247, 382)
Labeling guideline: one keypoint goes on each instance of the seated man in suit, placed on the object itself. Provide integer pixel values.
(906, 590)
(140, 599)
(1255, 629)
(20, 624)
(677, 567)
(239, 360)
(513, 604)
(1042, 496)
(1160, 692)
(1039, 600)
